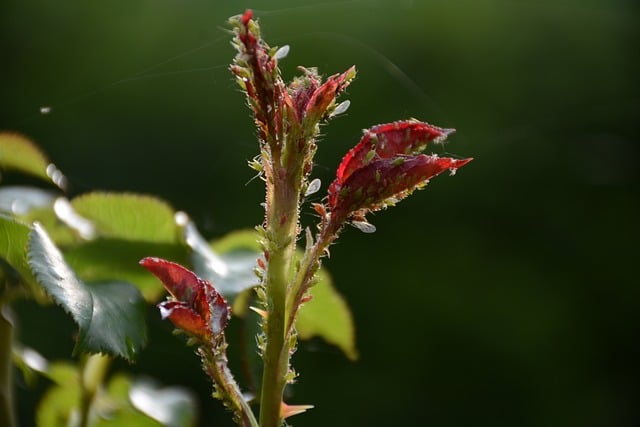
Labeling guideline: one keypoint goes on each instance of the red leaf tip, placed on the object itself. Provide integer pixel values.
(246, 17)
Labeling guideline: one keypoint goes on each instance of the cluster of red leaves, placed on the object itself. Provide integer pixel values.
(278, 107)
(385, 167)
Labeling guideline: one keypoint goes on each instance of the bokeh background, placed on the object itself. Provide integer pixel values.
(503, 296)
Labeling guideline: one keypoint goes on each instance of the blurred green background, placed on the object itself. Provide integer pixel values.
(503, 296)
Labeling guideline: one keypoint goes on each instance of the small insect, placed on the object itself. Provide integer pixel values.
(282, 52)
(364, 226)
(340, 108)
(313, 187)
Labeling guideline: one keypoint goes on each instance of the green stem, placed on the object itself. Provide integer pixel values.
(93, 372)
(216, 366)
(308, 268)
(282, 223)
(7, 415)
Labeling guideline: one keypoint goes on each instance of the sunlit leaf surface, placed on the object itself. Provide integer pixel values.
(13, 245)
(328, 316)
(110, 315)
(171, 406)
(230, 269)
(115, 259)
(19, 200)
(128, 216)
(58, 405)
(20, 154)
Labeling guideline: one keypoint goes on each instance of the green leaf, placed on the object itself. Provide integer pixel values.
(20, 154)
(328, 316)
(128, 216)
(60, 233)
(116, 409)
(110, 407)
(62, 373)
(57, 406)
(110, 315)
(230, 270)
(125, 416)
(14, 236)
(237, 240)
(111, 259)
(171, 406)
(20, 200)
(34, 204)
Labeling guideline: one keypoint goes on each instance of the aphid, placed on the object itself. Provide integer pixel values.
(370, 155)
(313, 187)
(364, 226)
(281, 53)
(397, 161)
(340, 108)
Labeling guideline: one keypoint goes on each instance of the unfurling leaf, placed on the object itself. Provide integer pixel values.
(325, 95)
(390, 140)
(385, 167)
(387, 181)
(195, 306)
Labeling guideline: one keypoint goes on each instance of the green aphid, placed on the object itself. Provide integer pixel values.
(370, 155)
(397, 161)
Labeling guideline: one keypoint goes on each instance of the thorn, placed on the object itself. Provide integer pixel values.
(326, 252)
(261, 312)
(291, 410)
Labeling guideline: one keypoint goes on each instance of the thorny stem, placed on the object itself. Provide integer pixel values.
(288, 117)
(215, 364)
(282, 222)
(308, 268)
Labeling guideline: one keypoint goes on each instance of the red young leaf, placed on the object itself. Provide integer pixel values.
(302, 88)
(246, 17)
(196, 307)
(326, 94)
(389, 140)
(258, 74)
(384, 167)
(384, 181)
(182, 283)
(183, 317)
